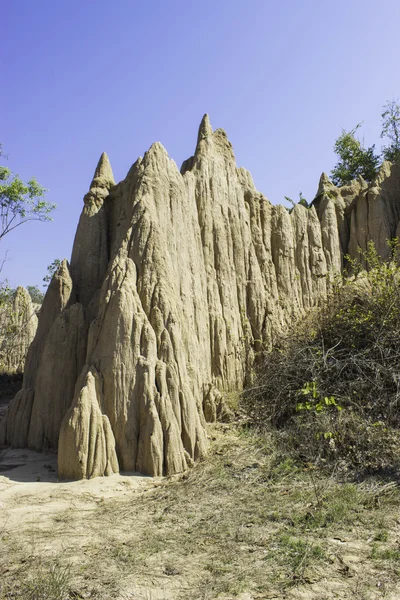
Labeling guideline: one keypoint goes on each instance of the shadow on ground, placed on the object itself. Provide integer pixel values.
(24, 466)
(28, 466)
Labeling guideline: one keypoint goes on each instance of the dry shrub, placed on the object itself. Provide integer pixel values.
(331, 389)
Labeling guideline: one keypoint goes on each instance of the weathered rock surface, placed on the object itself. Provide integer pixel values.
(18, 325)
(176, 278)
(86, 437)
(363, 212)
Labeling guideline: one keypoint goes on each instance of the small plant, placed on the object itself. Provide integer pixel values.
(50, 584)
(302, 201)
(381, 536)
(315, 402)
(298, 555)
(385, 554)
(123, 555)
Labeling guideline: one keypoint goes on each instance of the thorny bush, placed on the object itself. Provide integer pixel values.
(331, 388)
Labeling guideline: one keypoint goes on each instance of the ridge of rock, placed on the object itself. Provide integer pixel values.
(176, 279)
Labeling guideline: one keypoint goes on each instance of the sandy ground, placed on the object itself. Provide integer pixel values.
(31, 493)
(35, 508)
(221, 531)
(42, 519)
(30, 490)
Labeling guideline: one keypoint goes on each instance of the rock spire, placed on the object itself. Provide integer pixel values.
(176, 279)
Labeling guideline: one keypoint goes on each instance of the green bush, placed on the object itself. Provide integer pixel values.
(354, 159)
(331, 389)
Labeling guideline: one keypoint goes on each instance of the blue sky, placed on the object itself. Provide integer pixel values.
(281, 77)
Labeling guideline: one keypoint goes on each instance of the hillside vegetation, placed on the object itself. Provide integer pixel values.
(330, 391)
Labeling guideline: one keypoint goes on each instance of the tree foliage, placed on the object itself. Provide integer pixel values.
(6, 293)
(354, 159)
(21, 202)
(391, 130)
(51, 269)
(36, 295)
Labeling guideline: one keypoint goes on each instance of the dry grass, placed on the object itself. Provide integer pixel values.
(244, 523)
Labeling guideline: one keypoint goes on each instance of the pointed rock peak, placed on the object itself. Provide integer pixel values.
(64, 273)
(133, 171)
(384, 172)
(157, 148)
(155, 156)
(324, 182)
(63, 270)
(102, 182)
(205, 129)
(22, 296)
(103, 170)
(362, 181)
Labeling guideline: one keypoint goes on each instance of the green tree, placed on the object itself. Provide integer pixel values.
(21, 202)
(354, 159)
(391, 129)
(35, 294)
(51, 269)
(6, 293)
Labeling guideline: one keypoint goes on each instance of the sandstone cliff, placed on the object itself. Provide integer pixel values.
(176, 278)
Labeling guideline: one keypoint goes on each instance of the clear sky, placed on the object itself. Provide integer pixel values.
(282, 77)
